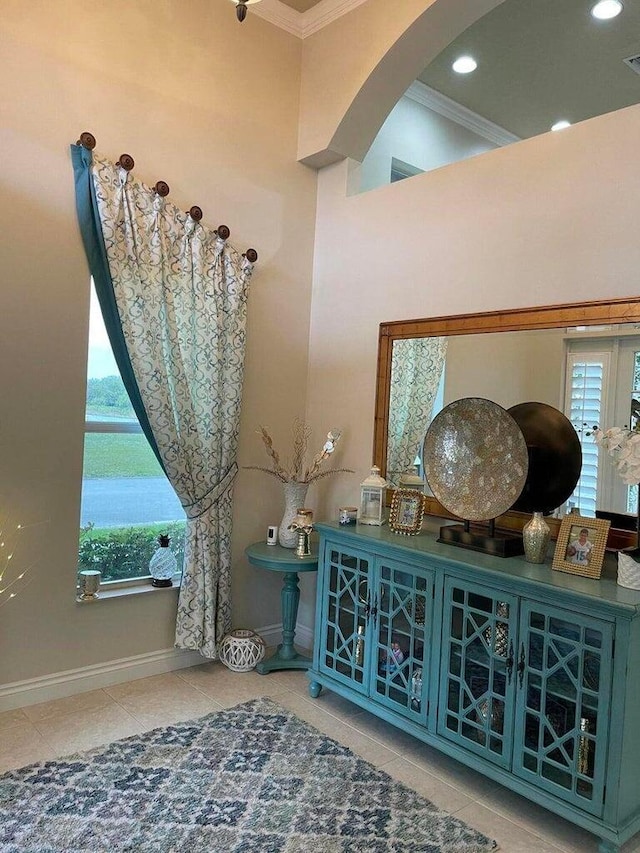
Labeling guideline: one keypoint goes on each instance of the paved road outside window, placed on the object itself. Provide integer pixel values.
(117, 502)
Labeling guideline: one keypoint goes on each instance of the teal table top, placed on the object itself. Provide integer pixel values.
(275, 558)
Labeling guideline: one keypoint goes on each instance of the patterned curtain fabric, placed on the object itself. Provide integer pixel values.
(415, 375)
(181, 296)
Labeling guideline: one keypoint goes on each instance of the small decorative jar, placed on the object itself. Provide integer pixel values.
(372, 492)
(347, 514)
(242, 649)
(163, 565)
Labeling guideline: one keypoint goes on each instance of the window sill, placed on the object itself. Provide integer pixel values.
(138, 588)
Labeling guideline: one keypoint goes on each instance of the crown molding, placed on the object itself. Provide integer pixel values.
(279, 14)
(325, 12)
(303, 24)
(450, 109)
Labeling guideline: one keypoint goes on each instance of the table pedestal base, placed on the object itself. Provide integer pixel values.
(277, 661)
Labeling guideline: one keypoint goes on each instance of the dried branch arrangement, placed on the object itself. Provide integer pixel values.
(295, 472)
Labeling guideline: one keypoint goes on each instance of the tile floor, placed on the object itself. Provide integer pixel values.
(62, 726)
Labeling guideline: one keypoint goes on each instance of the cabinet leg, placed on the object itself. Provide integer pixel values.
(315, 689)
(608, 847)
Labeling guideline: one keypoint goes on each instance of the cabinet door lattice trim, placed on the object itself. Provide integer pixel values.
(476, 699)
(345, 609)
(565, 674)
(402, 627)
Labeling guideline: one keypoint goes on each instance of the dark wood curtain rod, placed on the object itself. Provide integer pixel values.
(126, 162)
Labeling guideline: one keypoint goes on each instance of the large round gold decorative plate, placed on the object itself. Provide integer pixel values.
(475, 459)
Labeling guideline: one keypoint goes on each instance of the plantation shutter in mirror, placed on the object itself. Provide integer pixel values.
(584, 406)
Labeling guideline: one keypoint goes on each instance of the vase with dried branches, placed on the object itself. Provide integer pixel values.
(294, 475)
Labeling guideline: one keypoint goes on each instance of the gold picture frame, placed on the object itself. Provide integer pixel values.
(407, 511)
(580, 546)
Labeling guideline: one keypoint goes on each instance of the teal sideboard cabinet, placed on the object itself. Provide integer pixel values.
(528, 675)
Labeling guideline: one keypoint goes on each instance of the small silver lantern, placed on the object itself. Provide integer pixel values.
(372, 492)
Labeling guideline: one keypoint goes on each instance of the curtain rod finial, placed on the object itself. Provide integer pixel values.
(87, 140)
(126, 162)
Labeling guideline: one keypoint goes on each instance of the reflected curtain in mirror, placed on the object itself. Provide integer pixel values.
(415, 377)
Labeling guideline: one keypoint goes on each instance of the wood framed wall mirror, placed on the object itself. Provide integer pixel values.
(583, 359)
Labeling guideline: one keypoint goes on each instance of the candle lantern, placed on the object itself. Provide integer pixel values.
(411, 479)
(372, 492)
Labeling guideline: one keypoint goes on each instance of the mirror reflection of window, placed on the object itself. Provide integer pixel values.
(603, 388)
(586, 375)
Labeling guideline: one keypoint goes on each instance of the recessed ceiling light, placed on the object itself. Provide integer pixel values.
(560, 125)
(606, 9)
(465, 65)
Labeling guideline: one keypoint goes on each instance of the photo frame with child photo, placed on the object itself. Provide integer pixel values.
(581, 545)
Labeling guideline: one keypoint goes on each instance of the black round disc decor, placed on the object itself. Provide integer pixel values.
(555, 457)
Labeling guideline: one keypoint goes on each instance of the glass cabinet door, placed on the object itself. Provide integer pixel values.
(401, 615)
(477, 670)
(346, 603)
(564, 689)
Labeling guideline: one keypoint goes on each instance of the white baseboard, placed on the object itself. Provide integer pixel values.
(59, 685)
(71, 681)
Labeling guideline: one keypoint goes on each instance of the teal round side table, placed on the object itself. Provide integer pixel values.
(274, 558)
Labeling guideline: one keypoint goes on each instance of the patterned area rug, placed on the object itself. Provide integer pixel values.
(251, 779)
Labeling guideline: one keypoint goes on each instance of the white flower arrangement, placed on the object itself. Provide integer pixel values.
(623, 445)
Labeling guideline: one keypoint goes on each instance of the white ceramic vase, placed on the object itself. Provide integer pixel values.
(294, 497)
(628, 571)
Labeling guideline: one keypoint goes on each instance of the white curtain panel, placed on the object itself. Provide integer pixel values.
(416, 369)
(181, 293)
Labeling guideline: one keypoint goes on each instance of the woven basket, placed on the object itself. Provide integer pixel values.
(628, 571)
(241, 650)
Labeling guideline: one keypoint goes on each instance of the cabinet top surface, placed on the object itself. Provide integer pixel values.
(424, 545)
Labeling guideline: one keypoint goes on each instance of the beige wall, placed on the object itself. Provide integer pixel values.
(547, 220)
(211, 107)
